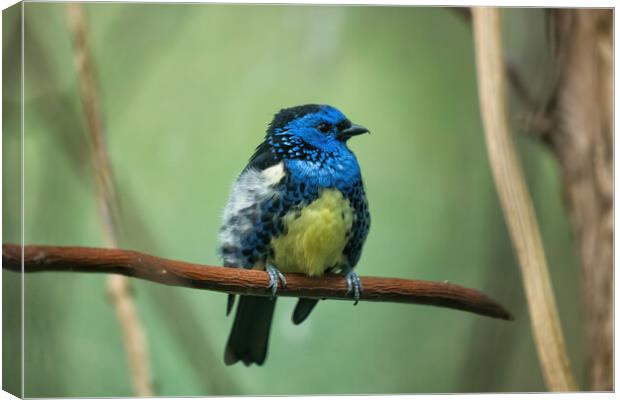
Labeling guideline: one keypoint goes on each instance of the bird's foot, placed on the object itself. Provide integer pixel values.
(354, 284)
(274, 276)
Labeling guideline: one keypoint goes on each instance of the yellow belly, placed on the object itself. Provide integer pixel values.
(315, 237)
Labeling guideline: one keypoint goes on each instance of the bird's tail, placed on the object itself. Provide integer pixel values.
(303, 308)
(249, 336)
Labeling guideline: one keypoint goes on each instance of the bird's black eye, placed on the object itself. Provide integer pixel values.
(344, 125)
(324, 127)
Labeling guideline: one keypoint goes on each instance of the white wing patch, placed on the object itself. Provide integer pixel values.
(273, 175)
(251, 187)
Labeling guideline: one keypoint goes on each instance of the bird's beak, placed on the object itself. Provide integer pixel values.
(353, 130)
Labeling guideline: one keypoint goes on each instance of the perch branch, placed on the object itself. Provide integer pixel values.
(244, 281)
(134, 336)
(516, 202)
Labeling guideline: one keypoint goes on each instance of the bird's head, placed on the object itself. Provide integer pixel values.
(310, 132)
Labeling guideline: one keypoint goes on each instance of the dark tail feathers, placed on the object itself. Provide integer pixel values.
(303, 308)
(249, 336)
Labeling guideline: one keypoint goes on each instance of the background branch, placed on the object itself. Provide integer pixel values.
(119, 289)
(581, 136)
(514, 77)
(576, 122)
(516, 202)
(244, 281)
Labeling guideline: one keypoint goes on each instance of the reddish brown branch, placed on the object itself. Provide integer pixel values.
(242, 281)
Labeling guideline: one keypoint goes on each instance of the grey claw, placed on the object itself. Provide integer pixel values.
(354, 284)
(282, 278)
(274, 276)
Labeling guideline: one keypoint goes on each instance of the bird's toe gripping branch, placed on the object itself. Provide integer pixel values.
(354, 284)
(274, 276)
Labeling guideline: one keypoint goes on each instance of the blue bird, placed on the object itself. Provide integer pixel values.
(298, 206)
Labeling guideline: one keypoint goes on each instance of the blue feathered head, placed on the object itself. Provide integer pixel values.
(310, 131)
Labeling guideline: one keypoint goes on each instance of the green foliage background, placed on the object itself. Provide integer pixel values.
(187, 91)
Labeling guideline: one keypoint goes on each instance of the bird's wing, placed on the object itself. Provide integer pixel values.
(361, 223)
(246, 228)
(251, 216)
(262, 158)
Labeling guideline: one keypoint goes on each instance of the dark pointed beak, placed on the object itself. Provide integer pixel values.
(351, 131)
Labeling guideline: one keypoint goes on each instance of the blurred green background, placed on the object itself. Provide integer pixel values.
(187, 92)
